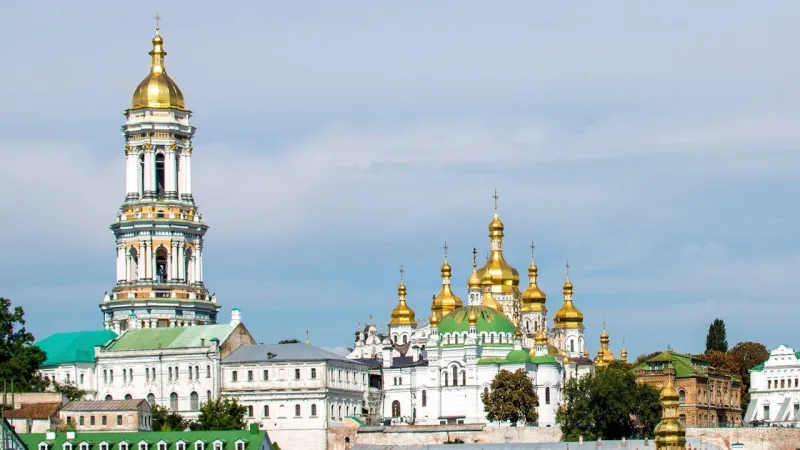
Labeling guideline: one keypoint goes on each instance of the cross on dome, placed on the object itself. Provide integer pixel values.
(401, 273)
(158, 19)
(495, 197)
(568, 269)
(533, 247)
(445, 249)
(474, 257)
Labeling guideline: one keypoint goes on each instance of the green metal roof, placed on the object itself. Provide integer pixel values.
(177, 337)
(252, 440)
(684, 365)
(73, 347)
(519, 357)
(489, 320)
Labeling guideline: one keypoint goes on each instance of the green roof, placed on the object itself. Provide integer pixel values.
(489, 320)
(684, 365)
(228, 438)
(519, 357)
(73, 347)
(176, 337)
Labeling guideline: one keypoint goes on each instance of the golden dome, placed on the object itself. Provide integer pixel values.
(474, 281)
(585, 353)
(402, 314)
(157, 90)
(623, 354)
(604, 336)
(670, 432)
(568, 316)
(496, 227)
(434, 320)
(446, 301)
(472, 319)
(540, 338)
(504, 277)
(533, 299)
(488, 299)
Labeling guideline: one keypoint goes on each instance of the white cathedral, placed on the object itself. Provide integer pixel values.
(435, 374)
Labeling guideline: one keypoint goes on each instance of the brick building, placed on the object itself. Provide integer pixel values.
(709, 397)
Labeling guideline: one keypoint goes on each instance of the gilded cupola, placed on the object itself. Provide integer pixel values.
(446, 301)
(670, 432)
(604, 355)
(474, 281)
(487, 298)
(533, 299)
(505, 279)
(568, 316)
(402, 314)
(158, 90)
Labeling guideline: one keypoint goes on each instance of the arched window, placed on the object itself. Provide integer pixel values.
(151, 399)
(486, 391)
(161, 264)
(194, 401)
(464, 378)
(314, 410)
(188, 264)
(160, 175)
(266, 410)
(445, 379)
(455, 376)
(196, 372)
(681, 396)
(208, 395)
(572, 346)
(547, 396)
(208, 371)
(333, 412)
(424, 398)
(130, 375)
(124, 376)
(297, 410)
(347, 410)
(405, 339)
(394, 339)
(395, 408)
(133, 264)
(128, 397)
(491, 339)
(108, 398)
(173, 401)
(456, 339)
(170, 374)
(340, 412)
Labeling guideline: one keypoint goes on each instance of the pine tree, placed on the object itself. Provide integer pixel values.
(717, 338)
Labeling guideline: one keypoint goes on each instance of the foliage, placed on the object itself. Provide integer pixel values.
(275, 446)
(719, 360)
(454, 441)
(608, 404)
(166, 420)
(512, 398)
(70, 390)
(717, 338)
(19, 358)
(644, 357)
(221, 414)
(289, 341)
(744, 356)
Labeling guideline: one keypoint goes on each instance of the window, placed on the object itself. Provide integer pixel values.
(142, 445)
(445, 379)
(208, 371)
(103, 445)
(333, 411)
(400, 381)
(486, 391)
(147, 375)
(199, 445)
(111, 376)
(123, 446)
(250, 411)
(43, 446)
(395, 409)
(572, 346)
(455, 376)
(83, 446)
(240, 445)
(153, 374)
(782, 386)
(80, 420)
(128, 397)
(296, 374)
(67, 446)
(249, 375)
(208, 395)
(547, 396)
(314, 410)
(103, 421)
(151, 399)
(234, 376)
(266, 375)
(194, 401)
(162, 446)
(682, 419)
(217, 445)
(176, 374)
(464, 378)
(119, 422)
(91, 420)
(160, 175)
(766, 412)
(424, 398)
(81, 378)
(130, 375)
(314, 374)
(681, 397)
(266, 410)
(105, 376)
(297, 410)
(180, 446)
(769, 384)
(173, 401)
(170, 374)
(190, 374)
(196, 372)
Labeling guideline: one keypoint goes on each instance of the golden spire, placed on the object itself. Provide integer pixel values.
(157, 90)
(488, 299)
(517, 332)
(434, 320)
(533, 299)
(446, 301)
(402, 314)
(474, 281)
(504, 277)
(308, 342)
(568, 316)
(604, 354)
(540, 338)
(623, 354)
(670, 432)
(472, 319)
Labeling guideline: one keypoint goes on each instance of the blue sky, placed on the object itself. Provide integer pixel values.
(655, 147)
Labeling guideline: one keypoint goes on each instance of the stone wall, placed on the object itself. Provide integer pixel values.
(752, 438)
(344, 438)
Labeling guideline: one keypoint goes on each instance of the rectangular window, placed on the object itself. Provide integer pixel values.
(81, 378)
(103, 420)
(119, 419)
(250, 411)
(240, 446)
(91, 420)
(266, 410)
(313, 374)
(249, 375)
(266, 375)
(296, 374)
(234, 376)
(80, 420)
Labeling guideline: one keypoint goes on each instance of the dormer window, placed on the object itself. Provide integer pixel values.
(143, 445)
(43, 446)
(199, 445)
(104, 446)
(162, 445)
(67, 446)
(240, 445)
(180, 446)
(123, 446)
(218, 445)
(84, 446)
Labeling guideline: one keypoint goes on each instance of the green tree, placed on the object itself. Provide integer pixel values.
(608, 404)
(720, 360)
(221, 414)
(166, 420)
(512, 398)
(743, 357)
(288, 341)
(275, 446)
(19, 358)
(717, 338)
(644, 357)
(70, 390)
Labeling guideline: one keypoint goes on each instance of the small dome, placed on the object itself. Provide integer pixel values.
(446, 301)
(488, 299)
(434, 320)
(472, 319)
(158, 90)
(533, 299)
(488, 319)
(402, 314)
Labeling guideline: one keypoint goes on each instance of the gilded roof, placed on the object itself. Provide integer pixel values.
(402, 314)
(158, 90)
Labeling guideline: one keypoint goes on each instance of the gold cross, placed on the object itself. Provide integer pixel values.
(445, 249)
(158, 18)
(567, 268)
(496, 197)
(533, 247)
(401, 273)
(474, 257)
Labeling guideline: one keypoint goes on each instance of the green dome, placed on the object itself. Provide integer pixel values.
(489, 320)
(517, 356)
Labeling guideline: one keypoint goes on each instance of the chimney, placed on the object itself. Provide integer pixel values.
(236, 317)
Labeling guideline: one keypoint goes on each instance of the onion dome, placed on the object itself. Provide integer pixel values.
(474, 281)
(486, 319)
(540, 338)
(402, 314)
(446, 301)
(670, 432)
(623, 355)
(434, 320)
(568, 316)
(533, 299)
(585, 353)
(604, 354)
(157, 90)
(472, 319)
(487, 299)
(503, 275)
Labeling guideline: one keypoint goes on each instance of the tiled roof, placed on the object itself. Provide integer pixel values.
(73, 347)
(176, 337)
(33, 411)
(281, 352)
(229, 438)
(103, 405)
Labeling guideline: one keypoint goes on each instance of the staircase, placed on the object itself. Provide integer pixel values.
(9, 437)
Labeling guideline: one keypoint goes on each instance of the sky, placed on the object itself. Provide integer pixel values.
(655, 147)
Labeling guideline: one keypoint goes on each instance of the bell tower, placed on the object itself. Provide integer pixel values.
(159, 231)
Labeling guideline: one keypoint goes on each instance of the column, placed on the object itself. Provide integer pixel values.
(142, 255)
(187, 176)
(198, 278)
(180, 162)
(171, 190)
(131, 176)
(182, 261)
(149, 173)
(173, 257)
(120, 262)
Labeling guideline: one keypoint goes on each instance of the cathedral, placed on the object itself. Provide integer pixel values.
(436, 373)
(159, 231)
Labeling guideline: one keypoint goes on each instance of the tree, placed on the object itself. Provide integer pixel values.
(68, 389)
(609, 404)
(19, 358)
(512, 398)
(221, 414)
(166, 420)
(743, 357)
(289, 341)
(720, 360)
(644, 357)
(717, 339)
